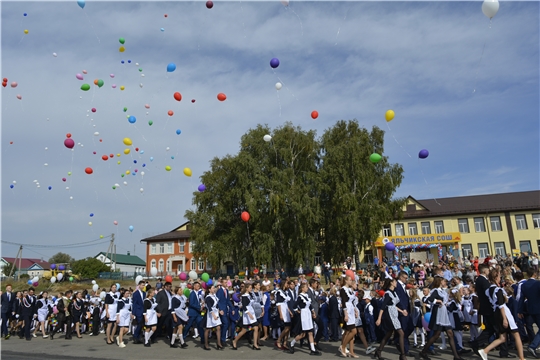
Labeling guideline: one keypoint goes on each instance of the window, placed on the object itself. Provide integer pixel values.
(525, 245)
(191, 244)
(500, 249)
(521, 223)
(399, 230)
(201, 264)
(161, 263)
(368, 258)
(162, 248)
(153, 264)
(180, 266)
(153, 249)
(426, 227)
(170, 248)
(168, 266)
(412, 229)
(387, 230)
(208, 265)
(463, 225)
(181, 243)
(192, 264)
(483, 249)
(317, 259)
(536, 221)
(439, 227)
(467, 250)
(495, 223)
(479, 225)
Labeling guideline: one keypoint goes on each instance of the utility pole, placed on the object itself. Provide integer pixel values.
(19, 256)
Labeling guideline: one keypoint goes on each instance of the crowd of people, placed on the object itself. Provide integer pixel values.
(401, 303)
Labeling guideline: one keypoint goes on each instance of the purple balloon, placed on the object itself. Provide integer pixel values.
(61, 267)
(79, 76)
(202, 187)
(423, 154)
(36, 284)
(53, 266)
(235, 297)
(274, 63)
(69, 143)
(390, 246)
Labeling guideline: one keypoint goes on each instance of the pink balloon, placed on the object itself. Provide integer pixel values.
(182, 276)
(147, 106)
(112, 75)
(19, 97)
(35, 284)
(79, 76)
(203, 284)
(69, 143)
(94, 110)
(114, 86)
(64, 179)
(14, 84)
(115, 222)
(85, 72)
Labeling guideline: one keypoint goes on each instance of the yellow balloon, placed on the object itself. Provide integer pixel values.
(101, 236)
(187, 171)
(90, 223)
(117, 155)
(389, 115)
(128, 142)
(26, 31)
(128, 172)
(127, 151)
(168, 168)
(122, 49)
(122, 87)
(118, 162)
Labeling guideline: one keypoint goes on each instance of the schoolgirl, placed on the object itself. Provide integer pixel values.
(249, 320)
(359, 304)
(150, 316)
(275, 324)
(350, 312)
(307, 314)
(416, 316)
(285, 315)
(77, 308)
(123, 317)
(211, 318)
(179, 317)
(94, 308)
(111, 301)
(456, 315)
(44, 308)
(258, 305)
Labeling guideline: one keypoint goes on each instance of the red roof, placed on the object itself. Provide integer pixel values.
(27, 263)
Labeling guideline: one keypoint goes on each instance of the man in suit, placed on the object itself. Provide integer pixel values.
(404, 304)
(7, 309)
(163, 310)
(334, 316)
(137, 310)
(194, 311)
(313, 294)
(225, 306)
(530, 290)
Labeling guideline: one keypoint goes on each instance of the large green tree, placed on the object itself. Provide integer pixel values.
(61, 258)
(89, 268)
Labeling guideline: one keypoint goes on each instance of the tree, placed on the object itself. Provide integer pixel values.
(8, 269)
(61, 258)
(89, 268)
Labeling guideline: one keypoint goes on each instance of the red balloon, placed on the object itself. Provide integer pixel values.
(165, 15)
(314, 114)
(350, 274)
(69, 143)
(105, 157)
(136, 149)
(245, 216)
(93, 152)
(88, 170)
(168, 278)
(11, 143)
(170, 112)
(4, 79)
(68, 135)
(177, 96)
(64, 179)
(209, 4)
(4, 84)
(93, 109)
(221, 97)
(111, 156)
(193, 100)
(100, 140)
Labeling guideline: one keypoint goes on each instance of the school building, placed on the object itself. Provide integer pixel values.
(480, 225)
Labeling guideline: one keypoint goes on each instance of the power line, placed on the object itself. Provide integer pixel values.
(81, 244)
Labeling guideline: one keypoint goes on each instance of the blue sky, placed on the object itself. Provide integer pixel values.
(466, 91)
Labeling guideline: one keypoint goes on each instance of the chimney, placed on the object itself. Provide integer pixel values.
(128, 253)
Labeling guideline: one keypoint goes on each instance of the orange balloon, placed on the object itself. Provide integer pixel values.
(178, 96)
(221, 97)
(171, 113)
(314, 114)
(68, 135)
(95, 82)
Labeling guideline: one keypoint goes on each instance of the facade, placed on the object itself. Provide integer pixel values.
(123, 263)
(32, 267)
(480, 225)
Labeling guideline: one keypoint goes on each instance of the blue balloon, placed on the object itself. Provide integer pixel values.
(134, 161)
(172, 157)
(81, 3)
(178, 132)
(50, 187)
(209, 282)
(171, 67)
(151, 158)
(122, 61)
(143, 165)
(91, 214)
(141, 152)
(131, 228)
(129, 61)
(162, 29)
(134, 173)
(202, 187)
(423, 154)
(25, 14)
(132, 119)
(11, 186)
(29, 282)
(274, 63)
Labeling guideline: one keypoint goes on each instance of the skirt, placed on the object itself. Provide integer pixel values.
(42, 315)
(498, 323)
(285, 312)
(112, 313)
(124, 318)
(152, 318)
(209, 320)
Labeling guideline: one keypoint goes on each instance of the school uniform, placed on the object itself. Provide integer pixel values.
(44, 307)
(439, 313)
(124, 312)
(150, 305)
(179, 309)
(27, 313)
(347, 298)
(212, 312)
(497, 298)
(390, 319)
(282, 301)
(94, 308)
(370, 323)
(77, 310)
(323, 313)
(334, 317)
(306, 312)
(455, 315)
(111, 300)
(247, 307)
(467, 304)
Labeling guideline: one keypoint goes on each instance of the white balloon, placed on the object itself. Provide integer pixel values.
(141, 190)
(117, 185)
(103, 295)
(54, 54)
(46, 148)
(71, 198)
(168, 148)
(53, 279)
(59, 276)
(96, 133)
(142, 173)
(89, 223)
(95, 287)
(67, 187)
(490, 8)
(140, 85)
(279, 86)
(35, 279)
(153, 271)
(193, 275)
(93, 282)
(137, 64)
(125, 183)
(14, 182)
(46, 164)
(138, 279)
(267, 138)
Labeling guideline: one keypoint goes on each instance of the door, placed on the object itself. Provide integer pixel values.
(230, 269)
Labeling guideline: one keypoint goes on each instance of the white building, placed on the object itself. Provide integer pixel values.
(123, 263)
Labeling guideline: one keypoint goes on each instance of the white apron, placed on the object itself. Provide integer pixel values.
(305, 314)
(124, 315)
(151, 314)
(214, 311)
(43, 311)
(246, 319)
(112, 307)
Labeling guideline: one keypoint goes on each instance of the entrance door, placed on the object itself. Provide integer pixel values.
(230, 269)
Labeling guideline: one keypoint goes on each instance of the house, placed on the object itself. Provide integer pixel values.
(123, 263)
(32, 267)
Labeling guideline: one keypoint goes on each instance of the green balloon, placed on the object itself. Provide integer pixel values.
(205, 277)
(85, 87)
(114, 187)
(150, 122)
(125, 109)
(100, 83)
(186, 292)
(122, 175)
(71, 278)
(375, 158)
(140, 70)
(122, 40)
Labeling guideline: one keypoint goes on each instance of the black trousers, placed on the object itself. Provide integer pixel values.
(63, 320)
(334, 329)
(320, 329)
(96, 321)
(25, 331)
(165, 320)
(485, 335)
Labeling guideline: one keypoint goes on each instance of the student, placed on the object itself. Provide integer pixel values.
(211, 319)
(306, 314)
(249, 320)
(179, 317)
(123, 317)
(150, 316)
(44, 308)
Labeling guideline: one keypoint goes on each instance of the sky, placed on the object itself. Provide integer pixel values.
(462, 87)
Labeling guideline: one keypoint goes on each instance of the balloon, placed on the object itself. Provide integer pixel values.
(53, 280)
(69, 143)
(35, 278)
(427, 317)
(50, 187)
(278, 86)
(168, 278)
(192, 101)
(131, 228)
(53, 266)
(209, 282)
(127, 151)
(85, 72)
(267, 138)
(274, 63)
(115, 222)
(89, 223)
(390, 246)
(132, 119)
(94, 110)
(100, 83)
(113, 86)
(187, 172)
(85, 87)
(209, 4)
(111, 75)
(150, 122)
(245, 216)
(314, 114)
(81, 3)
(193, 275)
(170, 113)
(19, 97)
(285, 2)
(490, 8)
(171, 67)
(182, 276)
(11, 186)
(54, 54)
(221, 97)
(162, 29)
(121, 49)
(235, 297)
(105, 158)
(138, 279)
(59, 277)
(147, 106)
(178, 132)
(375, 158)
(350, 274)
(14, 84)
(203, 285)
(102, 295)
(122, 41)
(168, 168)
(186, 292)
(423, 154)
(95, 287)
(88, 170)
(153, 271)
(122, 87)
(205, 277)
(201, 187)
(177, 96)
(26, 31)
(389, 115)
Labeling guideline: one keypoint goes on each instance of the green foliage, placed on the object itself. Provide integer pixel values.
(89, 268)
(61, 258)
(9, 268)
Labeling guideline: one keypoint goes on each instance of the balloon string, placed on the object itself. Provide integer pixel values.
(300, 20)
(91, 25)
(140, 132)
(422, 171)
(480, 61)
(243, 22)
(279, 102)
(339, 28)
(282, 83)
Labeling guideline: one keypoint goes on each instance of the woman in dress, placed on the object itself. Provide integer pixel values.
(77, 308)
(350, 312)
(249, 320)
(359, 304)
(504, 322)
(440, 321)
(211, 319)
(307, 314)
(44, 308)
(416, 316)
(179, 317)
(390, 321)
(150, 316)
(111, 300)
(123, 317)
(258, 305)
(285, 316)
(456, 315)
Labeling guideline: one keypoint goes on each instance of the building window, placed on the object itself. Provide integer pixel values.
(152, 249)
(201, 264)
(208, 265)
(463, 225)
(496, 224)
(192, 264)
(525, 246)
(500, 249)
(536, 221)
(191, 244)
(387, 230)
(181, 242)
(161, 263)
(426, 227)
(479, 225)
(170, 248)
(162, 248)
(439, 227)
(180, 266)
(483, 250)
(399, 230)
(521, 223)
(153, 264)
(317, 259)
(467, 250)
(412, 229)
(168, 266)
